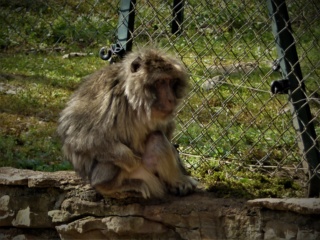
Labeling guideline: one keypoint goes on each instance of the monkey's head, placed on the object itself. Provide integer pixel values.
(156, 83)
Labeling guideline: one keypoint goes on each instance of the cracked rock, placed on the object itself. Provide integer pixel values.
(42, 205)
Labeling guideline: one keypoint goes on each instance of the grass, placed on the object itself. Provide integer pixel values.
(244, 183)
(224, 134)
(43, 84)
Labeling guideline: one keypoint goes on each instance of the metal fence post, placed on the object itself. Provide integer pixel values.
(124, 32)
(126, 24)
(291, 71)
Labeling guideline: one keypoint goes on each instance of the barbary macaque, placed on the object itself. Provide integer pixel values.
(116, 128)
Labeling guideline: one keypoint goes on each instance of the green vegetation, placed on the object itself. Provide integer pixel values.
(42, 84)
(224, 134)
(245, 183)
(45, 24)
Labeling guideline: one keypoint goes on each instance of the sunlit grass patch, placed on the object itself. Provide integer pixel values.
(35, 89)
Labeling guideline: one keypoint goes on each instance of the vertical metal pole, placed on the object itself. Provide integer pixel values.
(177, 14)
(124, 33)
(302, 118)
(126, 24)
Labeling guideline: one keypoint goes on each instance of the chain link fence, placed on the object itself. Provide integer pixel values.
(231, 126)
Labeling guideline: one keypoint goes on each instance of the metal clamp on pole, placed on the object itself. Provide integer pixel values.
(124, 32)
(177, 14)
(107, 54)
(280, 86)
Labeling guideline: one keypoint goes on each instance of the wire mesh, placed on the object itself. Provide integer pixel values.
(230, 121)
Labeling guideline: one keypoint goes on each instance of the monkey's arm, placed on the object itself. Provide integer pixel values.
(109, 167)
(162, 158)
(125, 158)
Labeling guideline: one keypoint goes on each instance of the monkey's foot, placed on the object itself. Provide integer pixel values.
(184, 187)
(123, 195)
(128, 188)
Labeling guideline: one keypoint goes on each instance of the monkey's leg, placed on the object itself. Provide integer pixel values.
(108, 179)
(152, 186)
(132, 169)
(125, 158)
(162, 158)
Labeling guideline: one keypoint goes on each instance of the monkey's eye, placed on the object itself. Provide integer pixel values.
(160, 82)
(175, 84)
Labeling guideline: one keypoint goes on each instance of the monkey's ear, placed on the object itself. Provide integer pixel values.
(136, 64)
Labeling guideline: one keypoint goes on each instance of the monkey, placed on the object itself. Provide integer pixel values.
(117, 126)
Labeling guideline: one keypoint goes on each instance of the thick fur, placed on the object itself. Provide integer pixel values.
(110, 121)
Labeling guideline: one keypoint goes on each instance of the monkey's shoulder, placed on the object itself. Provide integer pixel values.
(106, 73)
(104, 79)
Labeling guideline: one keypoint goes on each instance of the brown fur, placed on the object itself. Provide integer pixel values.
(117, 126)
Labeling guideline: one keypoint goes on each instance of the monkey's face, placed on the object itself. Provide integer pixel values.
(156, 83)
(165, 101)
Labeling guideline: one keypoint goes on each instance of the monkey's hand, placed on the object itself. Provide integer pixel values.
(183, 186)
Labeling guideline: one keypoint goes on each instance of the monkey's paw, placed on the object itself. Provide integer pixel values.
(181, 188)
(142, 191)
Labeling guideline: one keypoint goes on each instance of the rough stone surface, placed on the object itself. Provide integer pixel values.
(38, 205)
(298, 205)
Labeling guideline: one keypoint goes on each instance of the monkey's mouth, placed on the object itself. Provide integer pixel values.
(162, 113)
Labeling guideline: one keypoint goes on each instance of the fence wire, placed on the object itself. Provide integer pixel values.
(230, 121)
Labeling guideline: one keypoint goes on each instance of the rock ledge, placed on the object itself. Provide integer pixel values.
(41, 205)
